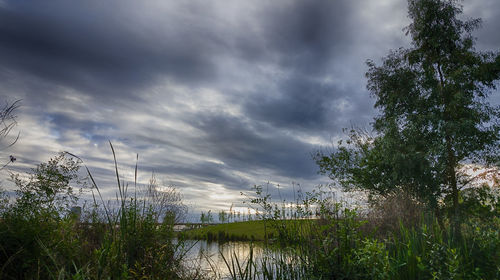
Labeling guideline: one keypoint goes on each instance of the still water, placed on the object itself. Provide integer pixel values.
(208, 257)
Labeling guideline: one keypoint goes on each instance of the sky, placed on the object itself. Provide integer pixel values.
(214, 96)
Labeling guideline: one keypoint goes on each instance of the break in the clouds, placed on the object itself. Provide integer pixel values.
(214, 96)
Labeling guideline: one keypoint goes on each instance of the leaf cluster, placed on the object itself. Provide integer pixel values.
(50, 186)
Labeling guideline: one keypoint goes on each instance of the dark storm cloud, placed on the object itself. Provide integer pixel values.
(303, 38)
(65, 122)
(95, 48)
(487, 35)
(298, 104)
(68, 57)
(306, 35)
(242, 145)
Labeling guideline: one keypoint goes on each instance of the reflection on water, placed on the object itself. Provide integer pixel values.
(207, 256)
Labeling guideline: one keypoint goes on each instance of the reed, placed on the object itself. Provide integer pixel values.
(336, 245)
(129, 238)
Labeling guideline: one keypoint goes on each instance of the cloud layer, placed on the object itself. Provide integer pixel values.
(214, 96)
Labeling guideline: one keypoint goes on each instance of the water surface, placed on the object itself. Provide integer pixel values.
(208, 256)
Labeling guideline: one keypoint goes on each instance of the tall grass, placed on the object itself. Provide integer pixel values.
(270, 264)
(339, 243)
(139, 240)
(130, 238)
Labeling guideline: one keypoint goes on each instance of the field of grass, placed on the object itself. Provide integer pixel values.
(241, 231)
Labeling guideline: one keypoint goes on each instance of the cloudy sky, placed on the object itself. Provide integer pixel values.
(214, 96)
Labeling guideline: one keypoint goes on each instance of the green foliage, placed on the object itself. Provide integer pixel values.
(49, 186)
(132, 239)
(206, 218)
(371, 260)
(35, 227)
(138, 246)
(271, 266)
(223, 217)
(323, 239)
(335, 245)
(481, 203)
(434, 113)
(236, 231)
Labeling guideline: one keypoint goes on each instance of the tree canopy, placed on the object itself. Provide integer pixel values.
(434, 111)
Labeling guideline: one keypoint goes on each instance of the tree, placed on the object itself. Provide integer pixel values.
(164, 202)
(49, 187)
(434, 112)
(206, 218)
(222, 216)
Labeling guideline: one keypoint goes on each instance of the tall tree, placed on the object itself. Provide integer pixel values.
(434, 112)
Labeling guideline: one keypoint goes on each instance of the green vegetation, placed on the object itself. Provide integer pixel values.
(340, 243)
(434, 115)
(237, 231)
(240, 231)
(130, 239)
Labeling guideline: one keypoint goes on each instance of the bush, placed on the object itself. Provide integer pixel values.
(132, 238)
(386, 214)
(371, 261)
(37, 234)
(337, 245)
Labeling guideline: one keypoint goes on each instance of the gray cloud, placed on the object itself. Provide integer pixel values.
(97, 48)
(306, 36)
(243, 145)
(298, 104)
(489, 12)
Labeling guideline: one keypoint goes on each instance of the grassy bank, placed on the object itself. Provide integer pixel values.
(237, 231)
(258, 230)
(341, 243)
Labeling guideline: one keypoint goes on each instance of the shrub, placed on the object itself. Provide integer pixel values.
(132, 238)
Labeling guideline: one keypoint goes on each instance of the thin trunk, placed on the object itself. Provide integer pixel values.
(452, 182)
(450, 158)
(439, 217)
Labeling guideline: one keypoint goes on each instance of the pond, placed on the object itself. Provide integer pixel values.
(208, 256)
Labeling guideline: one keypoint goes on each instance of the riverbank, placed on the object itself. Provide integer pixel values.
(236, 231)
(259, 230)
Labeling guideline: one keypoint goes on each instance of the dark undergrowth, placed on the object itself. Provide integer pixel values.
(340, 243)
(129, 238)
